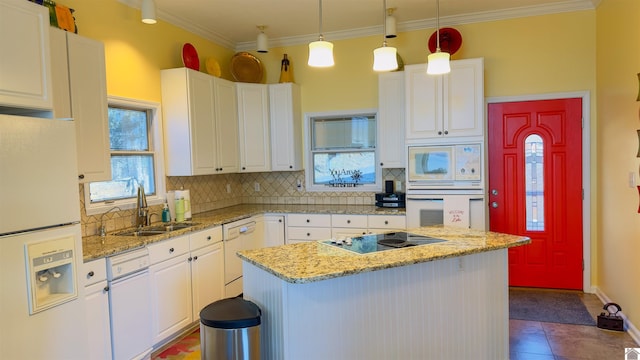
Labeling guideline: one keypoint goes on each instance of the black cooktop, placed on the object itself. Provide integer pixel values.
(380, 242)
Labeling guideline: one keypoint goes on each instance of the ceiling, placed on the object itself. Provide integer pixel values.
(233, 23)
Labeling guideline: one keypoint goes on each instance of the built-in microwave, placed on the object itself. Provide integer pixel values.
(458, 166)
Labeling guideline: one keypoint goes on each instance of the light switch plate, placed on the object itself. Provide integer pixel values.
(632, 179)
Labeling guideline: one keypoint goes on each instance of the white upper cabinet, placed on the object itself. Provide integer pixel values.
(286, 127)
(391, 120)
(80, 82)
(200, 123)
(445, 106)
(25, 70)
(253, 122)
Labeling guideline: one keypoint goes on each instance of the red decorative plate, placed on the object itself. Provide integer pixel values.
(450, 41)
(190, 57)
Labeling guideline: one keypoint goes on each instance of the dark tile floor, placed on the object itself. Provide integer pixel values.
(534, 340)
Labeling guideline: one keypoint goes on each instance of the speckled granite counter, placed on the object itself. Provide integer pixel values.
(95, 247)
(315, 261)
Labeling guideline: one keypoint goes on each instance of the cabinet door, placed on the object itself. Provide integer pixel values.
(26, 68)
(273, 230)
(464, 98)
(89, 108)
(207, 276)
(423, 103)
(226, 118)
(60, 74)
(253, 122)
(391, 122)
(171, 302)
(201, 123)
(286, 127)
(97, 317)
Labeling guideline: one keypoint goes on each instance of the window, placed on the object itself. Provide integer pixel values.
(136, 157)
(342, 152)
(534, 182)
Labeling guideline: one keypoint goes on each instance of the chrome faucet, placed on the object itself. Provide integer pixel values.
(103, 229)
(142, 212)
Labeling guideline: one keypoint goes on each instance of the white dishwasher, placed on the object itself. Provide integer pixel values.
(238, 235)
(129, 305)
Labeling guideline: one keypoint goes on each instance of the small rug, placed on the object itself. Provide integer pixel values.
(187, 348)
(548, 306)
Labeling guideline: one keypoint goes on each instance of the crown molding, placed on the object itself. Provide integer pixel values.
(486, 16)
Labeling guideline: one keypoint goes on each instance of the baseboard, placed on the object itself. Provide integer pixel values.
(631, 329)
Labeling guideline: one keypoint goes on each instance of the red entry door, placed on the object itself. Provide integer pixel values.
(535, 188)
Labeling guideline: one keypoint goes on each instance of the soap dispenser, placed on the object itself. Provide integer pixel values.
(166, 217)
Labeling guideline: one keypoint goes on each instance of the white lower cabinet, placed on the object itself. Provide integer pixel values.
(385, 223)
(273, 230)
(207, 269)
(170, 274)
(343, 226)
(187, 274)
(96, 298)
(308, 227)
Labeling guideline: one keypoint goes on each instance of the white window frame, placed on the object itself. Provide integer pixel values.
(310, 186)
(156, 130)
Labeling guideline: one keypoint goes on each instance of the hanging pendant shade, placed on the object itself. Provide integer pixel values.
(438, 62)
(262, 42)
(385, 57)
(148, 10)
(320, 52)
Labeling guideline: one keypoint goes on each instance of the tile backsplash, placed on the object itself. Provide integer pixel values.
(211, 192)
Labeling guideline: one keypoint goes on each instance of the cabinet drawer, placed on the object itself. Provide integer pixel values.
(93, 272)
(167, 249)
(308, 233)
(205, 237)
(312, 220)
(387, 222)
(344, 221)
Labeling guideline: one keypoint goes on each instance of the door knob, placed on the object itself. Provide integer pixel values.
(494, 204)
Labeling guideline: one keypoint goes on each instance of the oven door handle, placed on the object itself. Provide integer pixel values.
(424, 198)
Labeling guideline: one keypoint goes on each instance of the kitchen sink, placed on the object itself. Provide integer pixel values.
(156, 229)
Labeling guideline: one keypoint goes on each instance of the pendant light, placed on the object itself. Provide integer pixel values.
(385, 57)
(438, 62)
(262, 42)
(390, 23)
(148, 10)
(320, 52)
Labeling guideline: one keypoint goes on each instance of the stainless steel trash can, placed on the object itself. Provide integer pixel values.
(230, 330)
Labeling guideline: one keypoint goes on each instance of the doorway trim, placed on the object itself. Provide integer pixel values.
(586, 166)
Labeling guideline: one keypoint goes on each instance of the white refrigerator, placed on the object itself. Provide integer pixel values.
(42, 307)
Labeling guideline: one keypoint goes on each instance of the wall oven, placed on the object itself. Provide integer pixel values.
(459, 210)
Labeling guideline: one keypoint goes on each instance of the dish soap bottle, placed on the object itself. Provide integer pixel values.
(166, 217)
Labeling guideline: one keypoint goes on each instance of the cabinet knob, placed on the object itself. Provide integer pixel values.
(189, 259)
(244, 168)
(439, 132)
(279, 220)
(381, 164)
(209, 238)
(308, 234)
(106, 289)
(290, 166)
(81, 176)
(348, 221)
(308, 220)
(195, 258)
(90, 274)
(446, 132)
(386, 222)
(171, 250)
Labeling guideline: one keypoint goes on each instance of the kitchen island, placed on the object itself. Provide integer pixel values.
(447, 300)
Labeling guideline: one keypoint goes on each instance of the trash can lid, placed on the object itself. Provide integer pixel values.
(231, 313)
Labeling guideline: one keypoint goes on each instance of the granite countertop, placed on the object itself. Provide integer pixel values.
(315, 261)
(95, 246)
